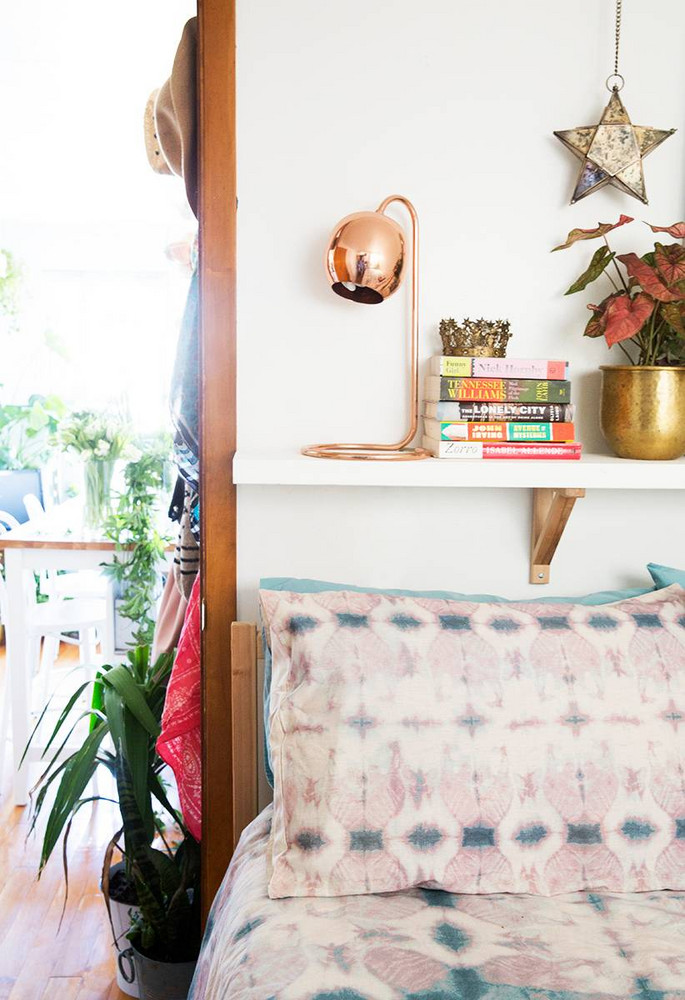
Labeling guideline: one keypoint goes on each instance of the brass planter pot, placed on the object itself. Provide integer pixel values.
(643, 411)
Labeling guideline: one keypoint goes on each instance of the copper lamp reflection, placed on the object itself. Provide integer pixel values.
(365, 262)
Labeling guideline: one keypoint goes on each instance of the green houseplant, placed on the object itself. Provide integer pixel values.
(139, 544)
(643, 402)
(27, 431)
(165, 933)
(118, 733)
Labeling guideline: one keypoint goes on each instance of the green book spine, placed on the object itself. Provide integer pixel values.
(510, 390)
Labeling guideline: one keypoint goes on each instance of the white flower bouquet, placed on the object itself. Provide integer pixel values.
(98, 437)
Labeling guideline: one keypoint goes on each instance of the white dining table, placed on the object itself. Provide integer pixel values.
(57, 541)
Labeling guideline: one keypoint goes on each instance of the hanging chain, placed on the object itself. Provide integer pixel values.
(615, 81)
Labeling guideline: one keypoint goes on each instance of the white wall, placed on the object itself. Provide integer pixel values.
(452, 104)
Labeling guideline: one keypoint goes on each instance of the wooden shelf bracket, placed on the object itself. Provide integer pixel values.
(551, 511)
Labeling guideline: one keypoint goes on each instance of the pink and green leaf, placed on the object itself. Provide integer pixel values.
(591, 234)
(670, 262)
(677, 230)
(599, 263)
(624, 317)
(596, 324)
(674, 314)
(648, 278)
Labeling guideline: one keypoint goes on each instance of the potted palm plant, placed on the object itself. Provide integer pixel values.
(643, 402)
(119, 730)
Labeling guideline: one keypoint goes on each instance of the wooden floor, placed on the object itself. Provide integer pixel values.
(38, 959)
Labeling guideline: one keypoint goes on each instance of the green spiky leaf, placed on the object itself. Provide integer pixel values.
(77, 772)
(133, 699)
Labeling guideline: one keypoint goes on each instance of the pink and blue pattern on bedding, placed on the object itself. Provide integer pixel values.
(430, 945)
(479, 748)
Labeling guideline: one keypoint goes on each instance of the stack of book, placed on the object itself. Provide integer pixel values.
(499, 408)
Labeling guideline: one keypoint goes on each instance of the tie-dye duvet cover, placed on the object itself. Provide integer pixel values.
(428, 945)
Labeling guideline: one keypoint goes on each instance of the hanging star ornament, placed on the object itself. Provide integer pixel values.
(612, 151)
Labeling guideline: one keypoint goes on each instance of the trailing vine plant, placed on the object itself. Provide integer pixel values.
(139, 542)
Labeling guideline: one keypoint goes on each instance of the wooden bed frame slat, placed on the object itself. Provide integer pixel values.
(244, 725)
(217, 272)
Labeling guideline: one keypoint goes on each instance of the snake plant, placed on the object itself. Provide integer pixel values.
(119, 732)
(166, 884)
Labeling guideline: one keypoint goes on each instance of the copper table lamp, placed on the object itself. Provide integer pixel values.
(365, 262)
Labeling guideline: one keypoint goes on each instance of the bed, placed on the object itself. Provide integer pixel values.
(431, 945)
(427, 944)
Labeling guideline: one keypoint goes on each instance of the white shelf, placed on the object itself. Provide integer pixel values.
(289, 468)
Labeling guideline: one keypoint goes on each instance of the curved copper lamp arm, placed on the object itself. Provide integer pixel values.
(397, 452)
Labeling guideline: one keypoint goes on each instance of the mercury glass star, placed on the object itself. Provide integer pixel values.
(612, 151)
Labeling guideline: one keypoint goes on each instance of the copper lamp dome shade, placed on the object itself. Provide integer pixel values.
(365, 262)
(366, 256)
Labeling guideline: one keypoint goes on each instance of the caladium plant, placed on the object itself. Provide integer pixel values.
(645, 311)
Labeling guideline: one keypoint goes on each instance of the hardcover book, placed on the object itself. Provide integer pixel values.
(484, 450)
(463, 430)
(544, 412)
(497, 368)
(510, 390)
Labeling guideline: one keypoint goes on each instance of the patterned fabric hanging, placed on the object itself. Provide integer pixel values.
(180, 742)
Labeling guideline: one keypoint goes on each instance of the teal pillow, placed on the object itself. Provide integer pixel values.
(664, 576)
(296, 586)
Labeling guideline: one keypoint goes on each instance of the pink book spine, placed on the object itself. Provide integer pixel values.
(481, 450)
(513, 368)
(531, 451)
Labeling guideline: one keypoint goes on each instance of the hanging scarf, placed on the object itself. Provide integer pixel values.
(180, 742)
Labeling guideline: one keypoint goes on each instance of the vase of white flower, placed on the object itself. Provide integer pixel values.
(98, 492)
(100, 440)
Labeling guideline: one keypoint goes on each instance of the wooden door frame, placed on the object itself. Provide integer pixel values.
(217, 277)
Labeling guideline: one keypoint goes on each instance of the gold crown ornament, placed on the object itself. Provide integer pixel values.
(474, 338)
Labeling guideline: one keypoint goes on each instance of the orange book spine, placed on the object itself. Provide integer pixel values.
(517, 431)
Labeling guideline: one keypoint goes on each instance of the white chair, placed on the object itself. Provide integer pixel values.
(34, 508)
(50, 622)
(86, 583)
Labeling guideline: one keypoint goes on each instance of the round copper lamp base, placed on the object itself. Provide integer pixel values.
(365, 452)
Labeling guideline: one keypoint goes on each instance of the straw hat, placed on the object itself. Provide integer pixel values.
(171, 118)
(155, 156)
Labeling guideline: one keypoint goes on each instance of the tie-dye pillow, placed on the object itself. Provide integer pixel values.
(476, 747)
